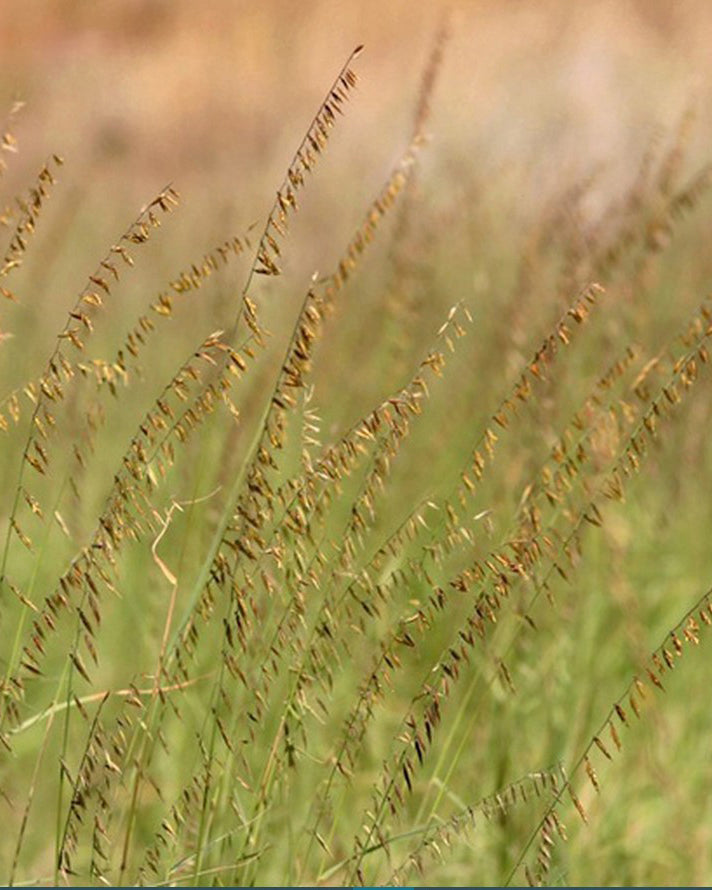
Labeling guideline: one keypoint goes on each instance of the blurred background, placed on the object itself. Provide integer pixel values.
(533, 99)
(542, 119)
(149, 90)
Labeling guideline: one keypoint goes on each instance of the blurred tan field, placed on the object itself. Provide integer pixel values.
(354, 514)
(198, 91)
(532, 98)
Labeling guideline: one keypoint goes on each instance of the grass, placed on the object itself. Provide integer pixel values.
(378, 579)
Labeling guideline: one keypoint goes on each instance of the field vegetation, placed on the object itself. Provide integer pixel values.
(355, 521)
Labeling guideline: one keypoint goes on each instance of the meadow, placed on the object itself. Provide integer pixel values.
(354, 514)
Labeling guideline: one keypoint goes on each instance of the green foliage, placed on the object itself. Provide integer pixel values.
(382, 587)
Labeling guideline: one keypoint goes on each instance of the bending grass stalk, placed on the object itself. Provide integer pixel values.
(207, 564)
(70, 669)
(302, 160)
(501, 410)
(90, 735)
(136, 233)
(444, 751)
(311, 637)
(285, 615)
(16, 643)
(121, 472)
(216, 870)
(203, 826)
(66, 708)
(201, 582)
(681, 367)
(681, 374)
(268, 770)
(30, 798)
(49, 714)
(702, 605)
(385, 844)
(260, 432)
(60, 707)
(494, 800)
(148, 738)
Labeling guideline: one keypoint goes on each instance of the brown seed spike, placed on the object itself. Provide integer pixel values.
(621, 714)
(602, 748)
(614, 735)
(634, 704)
(79, 665)
(577, 803)
(591, 773)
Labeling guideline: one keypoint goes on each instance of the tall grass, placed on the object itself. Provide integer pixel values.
(369, 581)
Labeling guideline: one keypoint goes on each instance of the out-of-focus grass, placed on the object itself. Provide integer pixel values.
(531, 101)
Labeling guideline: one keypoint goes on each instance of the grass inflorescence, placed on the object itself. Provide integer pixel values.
(369, 587)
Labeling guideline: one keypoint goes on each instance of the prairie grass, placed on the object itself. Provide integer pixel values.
(373, 576)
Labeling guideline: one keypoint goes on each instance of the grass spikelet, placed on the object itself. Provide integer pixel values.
(28, 212)
(8, 141)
